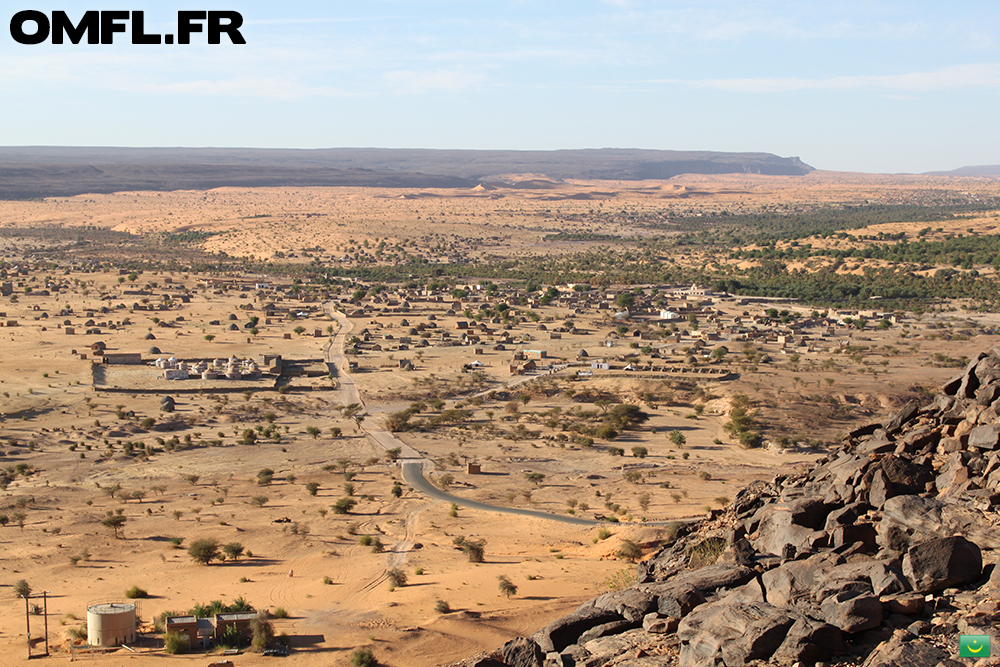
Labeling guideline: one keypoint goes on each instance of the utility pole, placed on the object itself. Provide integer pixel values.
(27, 623)
(45, 611)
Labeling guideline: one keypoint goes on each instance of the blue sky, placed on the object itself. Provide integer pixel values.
(882, 86)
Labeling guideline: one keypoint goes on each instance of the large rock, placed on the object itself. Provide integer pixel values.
(909, 520)
(852, 611)
(900, 651)
(792, 581)
(944, 563)
(907, 477)
(679, 601)
(985, 437)
(706, 579)
(564, 631)
(522, 652)
(630, 603)
(878, 577)
(732, 633)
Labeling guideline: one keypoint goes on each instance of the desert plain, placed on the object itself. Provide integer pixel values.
(624, 404)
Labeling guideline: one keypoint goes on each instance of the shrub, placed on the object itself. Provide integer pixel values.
(640, 452)
(263, 633)
(173, 644)
(176, 542)
(136, 592)
(507, 587)
(366, 540)
(706, 552)
(397, 577)
(629, 550)
(474, 551)
(442, 607)
(280, 612)
(22, 589)
(204, 551)
(344, 506)
(233, 550)
(259, 501)
(363, 657)
(312, 488)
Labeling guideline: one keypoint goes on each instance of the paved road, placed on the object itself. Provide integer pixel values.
(414, 476)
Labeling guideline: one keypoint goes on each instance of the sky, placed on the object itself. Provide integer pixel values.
(880, 86)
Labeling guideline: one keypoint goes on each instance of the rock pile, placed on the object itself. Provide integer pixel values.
(875, 557)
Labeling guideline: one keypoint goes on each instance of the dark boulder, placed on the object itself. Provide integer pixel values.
(944, 563)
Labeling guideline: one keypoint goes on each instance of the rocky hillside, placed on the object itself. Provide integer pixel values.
(881, 556)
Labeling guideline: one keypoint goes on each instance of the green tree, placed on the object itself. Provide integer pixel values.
(233, 550)
(507, 586)
(204, 550)
(22, 589)
(116, 522)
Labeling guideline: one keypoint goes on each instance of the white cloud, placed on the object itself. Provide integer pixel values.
(948, 78)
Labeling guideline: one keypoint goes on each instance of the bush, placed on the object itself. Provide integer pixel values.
(204, 551)
(507, 586)
(136, 592)
(233, 550)
(22, 589)
(280, 612)
(366, 540)
(442, 607)
(263, 633)
(312, 488)
(629, 550)
(474, 551)
(397, 577)
(176, 542)
(173, 644)
(363, 657)
(344, 506)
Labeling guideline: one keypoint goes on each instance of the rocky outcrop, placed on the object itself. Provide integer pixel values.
(874, 557)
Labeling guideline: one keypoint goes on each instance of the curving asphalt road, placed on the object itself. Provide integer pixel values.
(413, 473)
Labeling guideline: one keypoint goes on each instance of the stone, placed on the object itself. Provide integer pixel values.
(879, 577)
(485, 662)
(656, 624)
(630, 603)
(919, 519)
(679, 601)
(809, 641)
(901, 650)
(861, 533)
(706, 579)
(935, 565)
(792, 581)
(564, 631)
(731, 633)
(907, 477)
(985, 437)
(903, 603)
(522, 652)
(846, 515)
(852, 611)
(605, 629)
(902, 417)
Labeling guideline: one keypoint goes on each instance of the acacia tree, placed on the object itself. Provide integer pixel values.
(116, 522)
(204, 551)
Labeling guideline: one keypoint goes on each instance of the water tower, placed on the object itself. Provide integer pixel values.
(111, 623)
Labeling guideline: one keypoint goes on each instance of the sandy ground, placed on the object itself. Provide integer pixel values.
(74, 439)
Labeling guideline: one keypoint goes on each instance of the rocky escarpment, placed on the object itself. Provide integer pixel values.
(881, 555)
